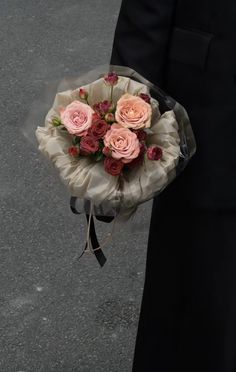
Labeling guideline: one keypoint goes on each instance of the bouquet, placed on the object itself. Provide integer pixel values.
(117, 141)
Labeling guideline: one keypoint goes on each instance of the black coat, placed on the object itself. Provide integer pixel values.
(188, 47)
(188, 312)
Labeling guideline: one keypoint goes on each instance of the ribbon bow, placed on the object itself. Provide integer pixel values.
(92, 245)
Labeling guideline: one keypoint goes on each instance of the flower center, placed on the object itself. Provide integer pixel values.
(79, 117)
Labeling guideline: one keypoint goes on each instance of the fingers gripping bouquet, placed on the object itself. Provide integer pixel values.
(117, 141)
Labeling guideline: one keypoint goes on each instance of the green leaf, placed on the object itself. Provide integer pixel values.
(101, 145)
(75, 140)
(98, 156)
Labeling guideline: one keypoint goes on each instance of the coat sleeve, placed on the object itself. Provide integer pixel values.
(141, 37)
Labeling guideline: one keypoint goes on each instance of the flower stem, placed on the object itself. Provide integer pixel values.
(111, 93)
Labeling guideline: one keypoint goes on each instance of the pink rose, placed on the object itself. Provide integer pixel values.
(123, 143)
(88, 145)
(113, 166)
(99, 129)
(154, 152)
(133, 112)
(77, 118)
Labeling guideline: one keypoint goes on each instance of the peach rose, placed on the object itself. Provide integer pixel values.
(77, 118)
(122, 142)
(133, 112)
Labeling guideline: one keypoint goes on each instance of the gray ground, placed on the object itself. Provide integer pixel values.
(57, 314)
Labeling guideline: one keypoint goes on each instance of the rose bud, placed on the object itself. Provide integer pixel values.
(73, 150)
(154, 152)
(113, 166)
(56, 122)
(83, 94)
(110, 118)
(106, 151)
(145, 97)
(99, 129)
(111, 78)
(88, 145)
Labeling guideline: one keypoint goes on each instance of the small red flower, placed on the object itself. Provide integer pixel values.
(102, 108)
(73, 150)
(105, 105)
(154, 153)
(145, 97)
(111, 78)
(99, 129)
(95, 117)
(88, 145)
(113, 166)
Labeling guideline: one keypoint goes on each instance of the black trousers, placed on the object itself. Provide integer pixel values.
(188, 312)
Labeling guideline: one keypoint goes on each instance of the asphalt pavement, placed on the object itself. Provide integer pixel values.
(57, 313)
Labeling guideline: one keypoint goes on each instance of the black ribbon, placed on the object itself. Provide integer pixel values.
(92, 232)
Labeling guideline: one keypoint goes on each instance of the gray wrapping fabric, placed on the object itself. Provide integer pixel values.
(89, 180)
